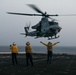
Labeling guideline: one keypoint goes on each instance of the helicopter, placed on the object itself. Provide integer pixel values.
(45, 27)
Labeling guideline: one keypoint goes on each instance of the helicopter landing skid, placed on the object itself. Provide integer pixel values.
(53, 38)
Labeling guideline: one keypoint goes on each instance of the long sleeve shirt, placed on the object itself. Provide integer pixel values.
(14, 49)
(28, 49)
(49, 47)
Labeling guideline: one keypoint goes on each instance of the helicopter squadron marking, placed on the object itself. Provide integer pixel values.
(44, 28)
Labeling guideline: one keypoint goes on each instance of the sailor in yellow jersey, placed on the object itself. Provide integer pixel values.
(28, 50)
(49, 50)
(14, 51)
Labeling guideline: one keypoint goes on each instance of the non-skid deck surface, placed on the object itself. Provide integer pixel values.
(61, 65)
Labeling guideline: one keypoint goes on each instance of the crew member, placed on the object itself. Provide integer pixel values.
(14, 51)
(28, 50)
(49, 50)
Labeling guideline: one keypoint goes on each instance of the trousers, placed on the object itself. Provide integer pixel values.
(29, 59)
(49, 56)
(14, 58)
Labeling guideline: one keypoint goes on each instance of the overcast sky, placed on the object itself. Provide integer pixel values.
(12, 25)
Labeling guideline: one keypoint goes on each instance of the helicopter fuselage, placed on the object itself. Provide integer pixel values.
(45, 28)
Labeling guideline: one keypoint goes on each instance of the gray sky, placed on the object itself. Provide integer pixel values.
(12, 25)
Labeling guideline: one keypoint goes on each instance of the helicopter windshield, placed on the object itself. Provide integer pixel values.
(53, 23)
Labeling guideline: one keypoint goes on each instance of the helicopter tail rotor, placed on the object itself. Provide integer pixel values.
(26, 28)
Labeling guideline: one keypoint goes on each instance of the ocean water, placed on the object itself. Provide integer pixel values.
(43, 49)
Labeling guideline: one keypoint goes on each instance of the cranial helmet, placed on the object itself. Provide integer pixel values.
(27, 43)
(49, 43)
(14, 43)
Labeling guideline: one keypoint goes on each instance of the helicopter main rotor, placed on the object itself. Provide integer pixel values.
(34, 7)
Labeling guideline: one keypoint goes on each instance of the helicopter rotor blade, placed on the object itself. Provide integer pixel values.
(35, 8)
(53, 15)
(52, 19)
(62, 15)
(28, 25)
(68, 15)
(40, 14)
(39, 11)
(24, 14)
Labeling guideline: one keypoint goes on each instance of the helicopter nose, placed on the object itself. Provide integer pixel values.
(59, 29)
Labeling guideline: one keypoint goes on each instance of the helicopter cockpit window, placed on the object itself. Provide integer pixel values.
(53, 23)
(56, 23)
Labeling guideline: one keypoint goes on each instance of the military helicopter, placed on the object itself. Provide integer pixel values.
(44, 28)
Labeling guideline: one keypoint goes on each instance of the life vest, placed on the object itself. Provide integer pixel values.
(49, 48)
(28, 49)
(14, 49)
